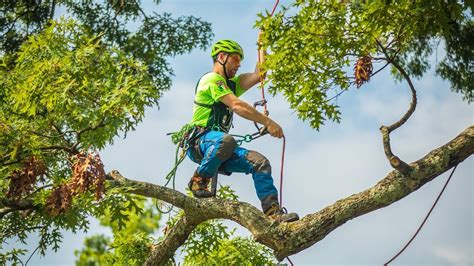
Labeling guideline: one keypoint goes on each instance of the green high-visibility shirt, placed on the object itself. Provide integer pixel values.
(210, 89)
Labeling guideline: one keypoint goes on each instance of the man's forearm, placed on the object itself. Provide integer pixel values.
(246, 111)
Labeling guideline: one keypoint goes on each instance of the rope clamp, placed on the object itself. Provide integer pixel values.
(260, 103)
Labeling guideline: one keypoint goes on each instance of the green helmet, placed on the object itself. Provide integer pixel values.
(227, 46)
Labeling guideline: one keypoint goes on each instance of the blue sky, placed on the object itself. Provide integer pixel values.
(321, 167)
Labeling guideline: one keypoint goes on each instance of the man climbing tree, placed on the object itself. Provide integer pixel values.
(55, 108)
(212, 147)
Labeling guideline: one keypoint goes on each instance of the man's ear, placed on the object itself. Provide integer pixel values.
(221, 57)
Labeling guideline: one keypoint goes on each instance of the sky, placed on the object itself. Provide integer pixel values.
(322, 166)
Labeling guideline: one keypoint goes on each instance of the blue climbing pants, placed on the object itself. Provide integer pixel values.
(218, 152)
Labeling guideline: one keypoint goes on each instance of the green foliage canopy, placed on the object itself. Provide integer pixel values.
(53, 105)
(314, 45)
(150, 38)
(74, 87)
(64, 93)
(132, 237)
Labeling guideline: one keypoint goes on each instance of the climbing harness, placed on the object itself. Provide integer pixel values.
(424, 220)
(184, 139)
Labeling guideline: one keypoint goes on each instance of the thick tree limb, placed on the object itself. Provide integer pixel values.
(291, 238)
(173, 240)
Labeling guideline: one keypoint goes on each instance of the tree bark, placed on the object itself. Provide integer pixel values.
(174, 239)
(290, 238)
(7, 206)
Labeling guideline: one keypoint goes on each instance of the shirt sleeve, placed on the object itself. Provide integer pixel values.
(238, 89)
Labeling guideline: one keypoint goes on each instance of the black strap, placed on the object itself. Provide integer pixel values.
(195, 91)
(197, 84)
(203, 104)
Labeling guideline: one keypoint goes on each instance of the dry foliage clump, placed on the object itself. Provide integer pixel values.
(87, 174)
(22, 181)
(362, 70)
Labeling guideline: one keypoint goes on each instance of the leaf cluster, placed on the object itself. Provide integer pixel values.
(234, 251)
(13, 257)
(151, 38)
(133, 220)
(65, 92)
(70, 87)
(315, 43)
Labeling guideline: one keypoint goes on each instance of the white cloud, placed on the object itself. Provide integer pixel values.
(461, 256)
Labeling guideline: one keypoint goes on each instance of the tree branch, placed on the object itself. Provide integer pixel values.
(200, 210)
(9, 206)
(413, 102)
(25, 230)
(395, 161)
(53, 8)
(84, 130)
(380, 69)
(392, 188)
(290, 238)
(141, 10)
(178, 234)
(63, 148)
(11, 163)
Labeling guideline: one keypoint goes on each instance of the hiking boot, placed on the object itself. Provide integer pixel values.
(272, 209)
(198, 186)
(281, 215)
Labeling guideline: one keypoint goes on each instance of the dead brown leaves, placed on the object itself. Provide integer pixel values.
(362, 70)
(22, 181)
(59, 200)
(88, 174)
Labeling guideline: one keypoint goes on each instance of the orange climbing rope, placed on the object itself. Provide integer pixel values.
(262, 76)
(263, 103)
(265, 111)
(424, 220)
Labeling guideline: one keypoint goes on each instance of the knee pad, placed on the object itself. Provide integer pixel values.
(259, 162)
(226, 148)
